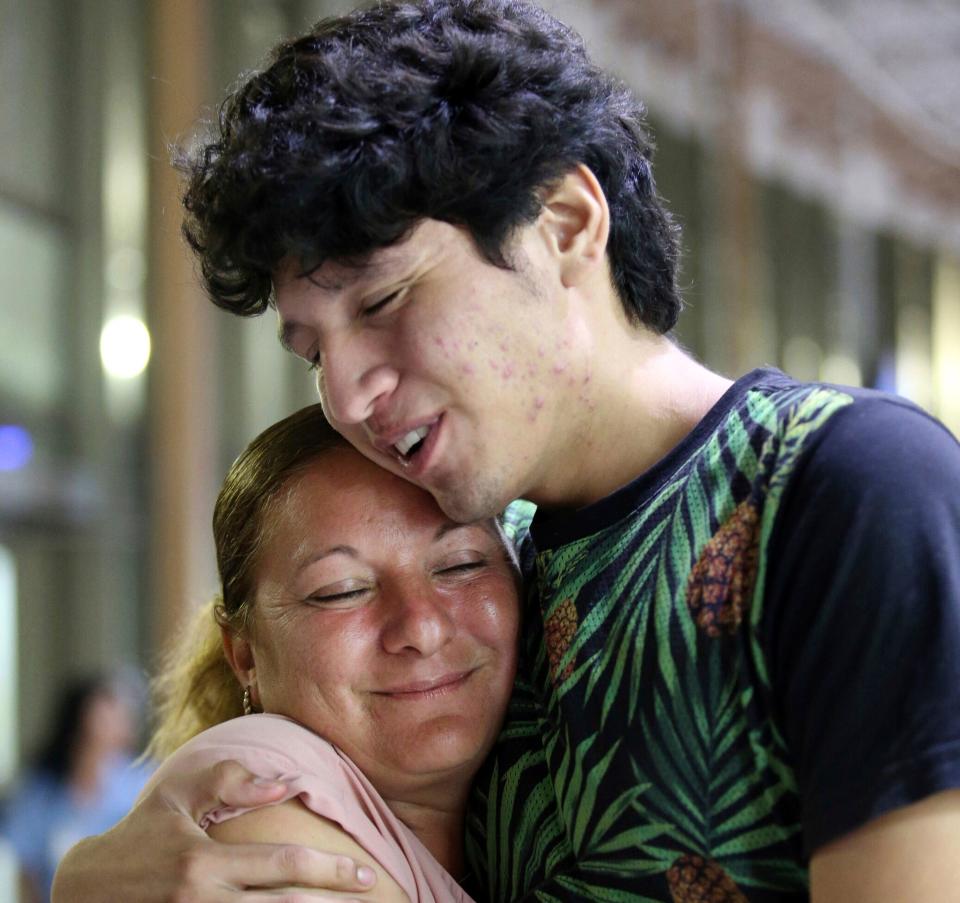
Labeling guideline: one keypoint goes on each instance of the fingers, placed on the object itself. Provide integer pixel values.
(226, 783)
(277, 865)
(158, 854)
(239, 867)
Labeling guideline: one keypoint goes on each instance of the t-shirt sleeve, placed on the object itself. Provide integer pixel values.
(277, 748)
(862, 616)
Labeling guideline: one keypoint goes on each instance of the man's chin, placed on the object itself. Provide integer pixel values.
(466, 507)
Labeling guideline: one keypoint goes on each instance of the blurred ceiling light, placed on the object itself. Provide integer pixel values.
(16, 447)
(124, 347)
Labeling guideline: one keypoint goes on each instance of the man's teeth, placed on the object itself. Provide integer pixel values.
(411, 439)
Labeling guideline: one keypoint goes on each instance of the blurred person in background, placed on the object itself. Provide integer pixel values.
(82, 781)
(362, 649)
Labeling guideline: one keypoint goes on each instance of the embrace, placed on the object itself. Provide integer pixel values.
(734, 669)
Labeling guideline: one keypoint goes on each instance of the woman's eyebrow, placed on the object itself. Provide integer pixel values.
(349, 551)
(451, 526)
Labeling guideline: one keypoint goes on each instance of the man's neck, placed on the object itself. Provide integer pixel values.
(648, 395)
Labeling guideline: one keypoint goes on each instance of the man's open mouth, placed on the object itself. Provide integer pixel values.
(410, 444)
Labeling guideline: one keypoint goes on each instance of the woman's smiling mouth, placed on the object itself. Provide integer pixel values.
(428, 689)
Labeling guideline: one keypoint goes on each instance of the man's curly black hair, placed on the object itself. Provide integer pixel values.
(456, 110)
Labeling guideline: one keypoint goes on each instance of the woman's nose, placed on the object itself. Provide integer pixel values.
(418, 620)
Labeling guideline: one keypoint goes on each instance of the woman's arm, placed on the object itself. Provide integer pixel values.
(157, 854)
(292, 822)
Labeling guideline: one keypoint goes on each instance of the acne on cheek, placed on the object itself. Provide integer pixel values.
(448, 346)
(454, 347)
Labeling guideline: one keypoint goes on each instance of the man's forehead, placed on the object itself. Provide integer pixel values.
(336, 276)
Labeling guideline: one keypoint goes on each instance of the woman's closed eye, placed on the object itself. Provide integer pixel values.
(338, 594)
(462, 565)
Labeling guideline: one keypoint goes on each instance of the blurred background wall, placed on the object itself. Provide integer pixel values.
(810, 148)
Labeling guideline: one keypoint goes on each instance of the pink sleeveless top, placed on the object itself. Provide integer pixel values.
(327, 783)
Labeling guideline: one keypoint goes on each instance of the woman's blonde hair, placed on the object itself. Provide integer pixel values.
(196, 687)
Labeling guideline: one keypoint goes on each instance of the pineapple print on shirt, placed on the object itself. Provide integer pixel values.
(722, 581)
(693, 879)
(558, 630)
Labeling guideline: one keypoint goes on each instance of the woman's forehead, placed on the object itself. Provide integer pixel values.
(341, 491)
(344, 499)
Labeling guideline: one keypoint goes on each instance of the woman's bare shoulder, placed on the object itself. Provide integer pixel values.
(292, 822)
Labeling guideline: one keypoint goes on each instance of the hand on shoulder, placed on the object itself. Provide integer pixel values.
(158, 854)
(291, 822)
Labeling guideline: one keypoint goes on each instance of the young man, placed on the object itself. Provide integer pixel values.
(740, 672)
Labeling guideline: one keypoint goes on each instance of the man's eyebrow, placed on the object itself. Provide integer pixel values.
(328, 283)
(352, 275)
(347, 274)
(285, 333)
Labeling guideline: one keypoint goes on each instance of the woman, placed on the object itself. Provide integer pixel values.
(352, 609)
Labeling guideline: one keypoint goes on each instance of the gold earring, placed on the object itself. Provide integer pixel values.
(247, 706)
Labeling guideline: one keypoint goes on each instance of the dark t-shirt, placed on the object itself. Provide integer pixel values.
(867, 576)
(748, 651)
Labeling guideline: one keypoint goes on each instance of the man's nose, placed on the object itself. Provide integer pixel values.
(418, 620)
(353, 378)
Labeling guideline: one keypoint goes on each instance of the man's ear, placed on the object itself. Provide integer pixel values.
(576, 224)
(239, 654)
